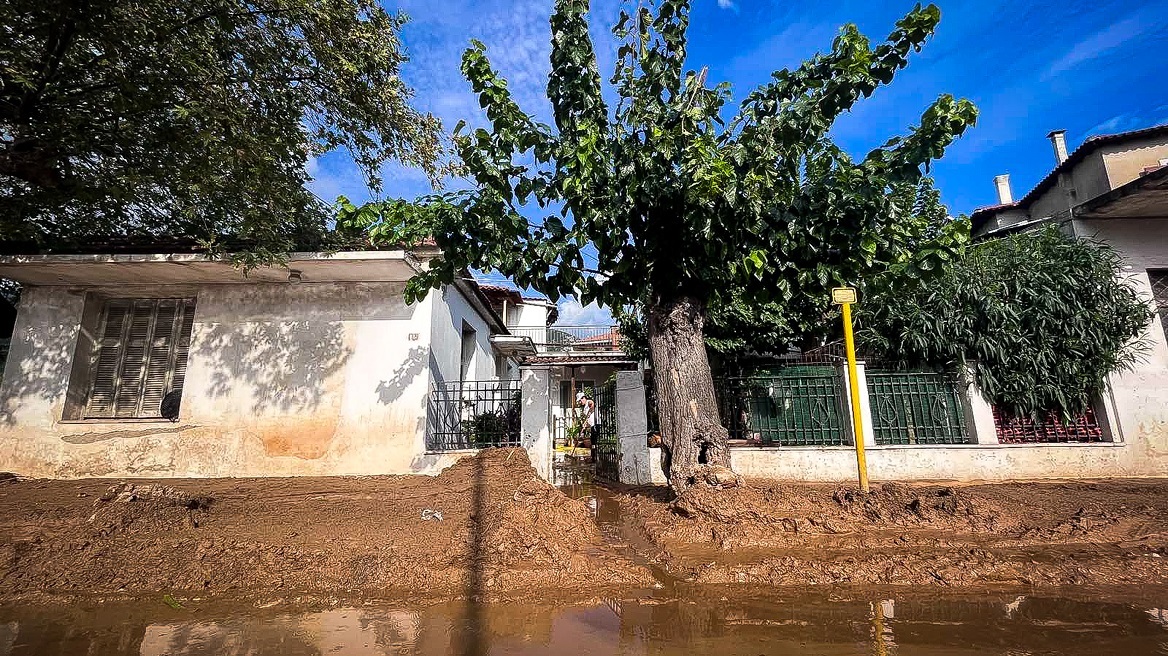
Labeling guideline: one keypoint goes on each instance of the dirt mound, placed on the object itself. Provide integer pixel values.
(150, 507)
(485, 527)
(766, 515)
(514, 516)
(1025, 533)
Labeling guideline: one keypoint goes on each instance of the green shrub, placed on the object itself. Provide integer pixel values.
(1042, 317)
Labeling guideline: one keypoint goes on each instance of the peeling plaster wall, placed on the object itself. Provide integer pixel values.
(309, 379)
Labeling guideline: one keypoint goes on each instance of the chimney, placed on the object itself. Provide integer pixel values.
(1002, 182)
(1058, 139)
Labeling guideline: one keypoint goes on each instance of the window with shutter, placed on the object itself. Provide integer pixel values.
(140, 357)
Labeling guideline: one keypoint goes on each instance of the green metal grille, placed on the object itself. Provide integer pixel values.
(916, 407)
(794, 406)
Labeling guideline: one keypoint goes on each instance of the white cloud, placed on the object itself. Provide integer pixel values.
(727, 4)
(572, 313)
(1101, 43)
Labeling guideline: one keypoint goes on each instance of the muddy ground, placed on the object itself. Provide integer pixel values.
(1030, 534)
(487, 526)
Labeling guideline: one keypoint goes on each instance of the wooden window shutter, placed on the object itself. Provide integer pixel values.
(140, 358)
(160, 363)
(107, 362)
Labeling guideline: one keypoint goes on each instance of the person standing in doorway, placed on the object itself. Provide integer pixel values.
(588, 418)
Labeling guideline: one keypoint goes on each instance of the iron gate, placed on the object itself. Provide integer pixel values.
(473, 415)
(606, 450)
(916, 407)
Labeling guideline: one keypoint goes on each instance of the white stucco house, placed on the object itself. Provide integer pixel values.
(1112, 189)
(177, 364)
(166, 362)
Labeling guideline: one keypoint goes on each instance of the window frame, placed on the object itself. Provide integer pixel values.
(176, 354)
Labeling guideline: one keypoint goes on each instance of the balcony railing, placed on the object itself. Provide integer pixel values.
(574, 339)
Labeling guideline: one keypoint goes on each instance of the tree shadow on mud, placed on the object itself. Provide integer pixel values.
(471, 639)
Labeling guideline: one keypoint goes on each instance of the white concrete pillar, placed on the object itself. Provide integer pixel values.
(639, 464)
(865, 404)
(535, 432)
(979, 414)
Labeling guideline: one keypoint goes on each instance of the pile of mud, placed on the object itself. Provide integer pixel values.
(766, 516)
(487, 526)
(1030, 533)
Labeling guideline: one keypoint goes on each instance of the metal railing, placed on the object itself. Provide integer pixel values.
(794, 406)
(473, 415)
(1050, 429)
(916, 407)
(584, 339)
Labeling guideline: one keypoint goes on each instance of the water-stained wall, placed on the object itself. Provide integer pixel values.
(324, 378)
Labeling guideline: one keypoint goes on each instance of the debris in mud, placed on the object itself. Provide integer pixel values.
(123, 492)
(150, 506)
(720, 477)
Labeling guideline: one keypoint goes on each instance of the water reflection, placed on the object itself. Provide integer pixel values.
(708, 623)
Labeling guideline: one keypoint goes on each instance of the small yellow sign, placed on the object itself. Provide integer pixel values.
(841, 295)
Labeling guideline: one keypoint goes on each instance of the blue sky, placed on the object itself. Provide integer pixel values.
(1086, 67)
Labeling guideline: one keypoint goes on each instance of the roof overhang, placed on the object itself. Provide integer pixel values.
(1143, 198)
(93, 270)
(513, 345)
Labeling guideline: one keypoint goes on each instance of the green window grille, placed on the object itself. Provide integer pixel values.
(916, 407)
(793, 406)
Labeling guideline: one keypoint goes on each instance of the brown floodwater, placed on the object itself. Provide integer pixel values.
(702, 622)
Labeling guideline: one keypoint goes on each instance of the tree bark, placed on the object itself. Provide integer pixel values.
(693, 439)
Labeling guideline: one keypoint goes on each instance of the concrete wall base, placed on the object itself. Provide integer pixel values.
(974, 462)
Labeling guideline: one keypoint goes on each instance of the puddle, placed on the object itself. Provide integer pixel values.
(928, 626)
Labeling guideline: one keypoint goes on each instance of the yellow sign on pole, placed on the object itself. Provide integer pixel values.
(841, 295)
(844, 297)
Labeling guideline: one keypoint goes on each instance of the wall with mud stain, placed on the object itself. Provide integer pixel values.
(308, 379)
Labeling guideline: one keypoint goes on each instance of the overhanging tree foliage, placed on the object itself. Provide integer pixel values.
(194, 118)
(1042, 317)
(671, 201)
(739, 325)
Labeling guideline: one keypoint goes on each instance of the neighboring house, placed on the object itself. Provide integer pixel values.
(172, 363)
(1114, 189)
(574, 358)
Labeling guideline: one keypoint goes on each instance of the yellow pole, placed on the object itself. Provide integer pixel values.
(854, 389)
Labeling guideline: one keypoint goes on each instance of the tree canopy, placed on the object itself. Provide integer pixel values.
(663, 200)
(195, 118)
(738, 324)
(660, 193)
(1042, 317)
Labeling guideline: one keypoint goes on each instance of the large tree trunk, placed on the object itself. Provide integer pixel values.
(694, 445)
